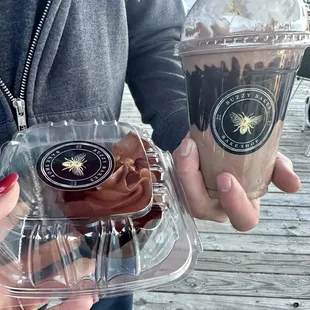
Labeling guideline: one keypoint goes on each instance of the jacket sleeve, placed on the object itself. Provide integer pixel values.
(154, 74)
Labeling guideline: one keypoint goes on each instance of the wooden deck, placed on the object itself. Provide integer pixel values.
(267, 268)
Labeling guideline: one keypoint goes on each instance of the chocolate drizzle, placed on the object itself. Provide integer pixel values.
(205, 86)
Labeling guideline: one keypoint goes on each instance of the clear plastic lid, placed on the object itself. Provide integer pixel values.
(232, 23)
(101, 209)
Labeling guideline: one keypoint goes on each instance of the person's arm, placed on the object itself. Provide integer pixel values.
(154, 75)
(156, 81)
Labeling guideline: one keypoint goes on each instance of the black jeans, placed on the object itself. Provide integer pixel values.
(115, 303)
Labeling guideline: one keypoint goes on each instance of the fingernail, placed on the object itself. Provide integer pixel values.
(186, 147)
(224, 183)
(7, 183)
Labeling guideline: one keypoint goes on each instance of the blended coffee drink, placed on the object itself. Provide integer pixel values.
(238, 86)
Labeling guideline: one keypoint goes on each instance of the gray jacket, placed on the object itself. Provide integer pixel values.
(69, 59)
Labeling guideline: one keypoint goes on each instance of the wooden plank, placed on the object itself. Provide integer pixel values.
(255, 243)
(295, 130)
(303, 141)
(294, 149)
(253, 262)
(176, 301)
(243, 284)
(283, 213)
(304, 146)
(284, 199)
(265, 227)
(305, 187)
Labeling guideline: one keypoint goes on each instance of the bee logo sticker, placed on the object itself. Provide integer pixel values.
(245, 123)
(243, 118)
(77, 165)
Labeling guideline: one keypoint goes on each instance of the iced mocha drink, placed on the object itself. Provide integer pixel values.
(243, 101)
(240, 68)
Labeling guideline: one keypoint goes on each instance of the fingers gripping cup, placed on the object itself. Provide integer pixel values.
(240, 60)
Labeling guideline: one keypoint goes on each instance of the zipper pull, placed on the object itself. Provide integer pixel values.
(19, 105)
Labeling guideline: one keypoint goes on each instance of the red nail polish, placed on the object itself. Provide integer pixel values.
(7, 183)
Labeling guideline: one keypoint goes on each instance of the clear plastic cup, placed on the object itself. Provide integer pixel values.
(240, 60)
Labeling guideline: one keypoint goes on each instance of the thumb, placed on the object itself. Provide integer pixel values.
(9, 194)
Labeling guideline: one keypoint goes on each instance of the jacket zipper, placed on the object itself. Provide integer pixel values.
(19, 103)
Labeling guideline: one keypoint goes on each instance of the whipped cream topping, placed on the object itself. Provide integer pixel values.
(212, 18)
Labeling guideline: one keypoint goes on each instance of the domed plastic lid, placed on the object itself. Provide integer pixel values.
(274, 22)
(101, 211)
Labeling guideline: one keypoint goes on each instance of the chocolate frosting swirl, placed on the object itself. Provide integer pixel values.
(128, 190)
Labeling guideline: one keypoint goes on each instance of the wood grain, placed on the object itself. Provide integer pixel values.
(280, 213)
(256, 243)
(239, 262)
(284, 199)
(243, 284)
(177, 301)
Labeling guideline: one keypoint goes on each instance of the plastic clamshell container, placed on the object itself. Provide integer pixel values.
(101, 211)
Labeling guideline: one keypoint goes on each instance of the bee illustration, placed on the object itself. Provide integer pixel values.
(75, 164)
(245, 123)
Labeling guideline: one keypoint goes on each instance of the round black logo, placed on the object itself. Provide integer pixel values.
(243, 118)
(75, 165)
